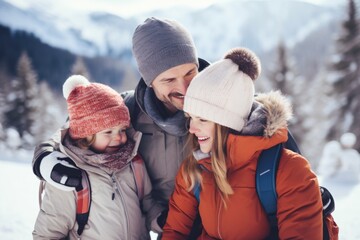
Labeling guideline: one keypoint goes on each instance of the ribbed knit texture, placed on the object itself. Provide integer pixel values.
(221, 93)
(93, 108)
(159, 45)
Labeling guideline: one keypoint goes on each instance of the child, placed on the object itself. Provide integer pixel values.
(229, 130)
(96, 140)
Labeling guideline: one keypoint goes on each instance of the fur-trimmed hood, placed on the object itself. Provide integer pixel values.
(269, 113)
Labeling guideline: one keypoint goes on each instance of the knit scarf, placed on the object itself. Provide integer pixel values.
(174, 125)
(106, 161)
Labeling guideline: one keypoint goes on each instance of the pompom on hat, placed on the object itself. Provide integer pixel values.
(161, 44)
(93, 107)
(224, 92)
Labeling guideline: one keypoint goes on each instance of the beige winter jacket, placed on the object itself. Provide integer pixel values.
(119, 218)
(163, 152)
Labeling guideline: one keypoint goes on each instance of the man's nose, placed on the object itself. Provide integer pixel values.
(183, 85)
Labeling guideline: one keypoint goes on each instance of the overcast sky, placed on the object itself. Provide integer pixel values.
(127, 8)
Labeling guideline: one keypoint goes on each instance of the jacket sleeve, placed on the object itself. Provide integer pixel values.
(183, 208)
(57, 214)
(42, 150)
(149, 206)
(299, 199)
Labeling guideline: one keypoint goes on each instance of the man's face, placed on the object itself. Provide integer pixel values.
(170, 86)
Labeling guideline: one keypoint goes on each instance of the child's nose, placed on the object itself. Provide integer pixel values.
(121, 137)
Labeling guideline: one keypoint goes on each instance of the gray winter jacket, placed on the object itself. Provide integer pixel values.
(163, 152)
(119, 217)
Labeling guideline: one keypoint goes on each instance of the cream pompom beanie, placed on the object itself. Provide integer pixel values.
(224, 92)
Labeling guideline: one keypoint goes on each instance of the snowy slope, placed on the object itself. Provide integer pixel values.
(19, 203)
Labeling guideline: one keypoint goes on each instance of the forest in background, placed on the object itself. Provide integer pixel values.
(324, 101)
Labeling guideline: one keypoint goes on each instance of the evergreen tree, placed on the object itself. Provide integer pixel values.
(4, 89)
(283, 77)
(345, 79)
(22, 98)
(4, 83)
(79, 68)
(52, 114)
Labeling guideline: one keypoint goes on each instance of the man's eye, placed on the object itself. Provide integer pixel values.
(169, 80)
(190, 73)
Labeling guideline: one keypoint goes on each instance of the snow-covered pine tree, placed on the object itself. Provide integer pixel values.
(79, 68)
(4, 89)
(52, 114)
(4, 83)
(283, 77)
(22, 99)
(344, 78)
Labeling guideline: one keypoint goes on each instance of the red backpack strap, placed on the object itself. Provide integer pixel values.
(138, 167)
(83, 201)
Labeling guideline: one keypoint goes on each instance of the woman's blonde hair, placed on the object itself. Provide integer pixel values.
(192, 172)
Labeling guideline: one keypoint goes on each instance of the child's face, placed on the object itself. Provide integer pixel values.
(204, 130)
(109, 140)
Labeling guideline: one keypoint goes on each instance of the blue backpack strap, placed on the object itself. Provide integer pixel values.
(197, 190)
(266, 183)
(291, 144)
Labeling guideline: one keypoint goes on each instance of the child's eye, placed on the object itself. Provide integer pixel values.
(203, 120)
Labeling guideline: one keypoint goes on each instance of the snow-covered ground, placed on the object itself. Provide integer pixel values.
(19, 203)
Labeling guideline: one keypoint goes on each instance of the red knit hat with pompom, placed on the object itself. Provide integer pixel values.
(93, 107)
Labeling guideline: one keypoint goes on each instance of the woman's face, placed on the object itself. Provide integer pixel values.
(204, 131)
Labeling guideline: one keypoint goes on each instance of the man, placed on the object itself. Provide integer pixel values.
(167, 61)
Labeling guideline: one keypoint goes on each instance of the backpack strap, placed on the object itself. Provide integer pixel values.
(138, 167)
(266, 183)
(328, 208)
(291, 144)
(197, 186)
(83, 202)
(83, 193)
(196, 191)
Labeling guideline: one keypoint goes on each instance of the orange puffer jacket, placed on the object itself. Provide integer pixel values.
(299, 201)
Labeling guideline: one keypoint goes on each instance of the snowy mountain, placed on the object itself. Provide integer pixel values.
(255, 24)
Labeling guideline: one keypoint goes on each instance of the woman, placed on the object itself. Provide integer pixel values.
(229, 129)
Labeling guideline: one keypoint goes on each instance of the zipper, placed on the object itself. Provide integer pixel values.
(116, 189)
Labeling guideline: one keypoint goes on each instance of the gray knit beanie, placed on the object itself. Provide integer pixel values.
(159, 45)
(224, 91)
